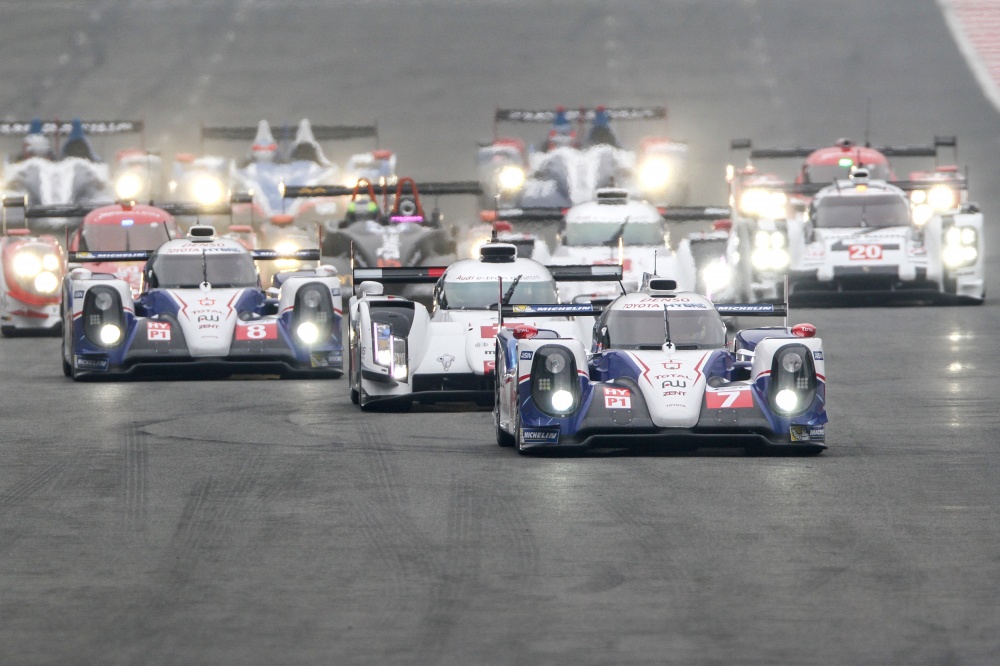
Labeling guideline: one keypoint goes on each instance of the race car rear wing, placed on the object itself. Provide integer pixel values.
(144, 255)
(694, 213)
(80, 210)
(811, 189)
(400, 275)
(430, 274)
(405, 186)
(581, 114)
(108, 256)
(553, 310)
(320, 132)
(62, 128)
(752, 309)
(803, 151)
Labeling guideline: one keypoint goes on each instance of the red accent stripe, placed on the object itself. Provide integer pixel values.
(436, 272)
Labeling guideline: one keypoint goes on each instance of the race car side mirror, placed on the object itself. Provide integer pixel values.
(369, 288)
(273, 292)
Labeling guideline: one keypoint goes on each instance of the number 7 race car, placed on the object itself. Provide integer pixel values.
(660, 373)
(400, 353)
(201, 307)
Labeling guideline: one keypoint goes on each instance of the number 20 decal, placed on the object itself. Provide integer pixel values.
(864, 252)
(263, 331)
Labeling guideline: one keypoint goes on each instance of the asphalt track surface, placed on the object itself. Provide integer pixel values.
(266, 521)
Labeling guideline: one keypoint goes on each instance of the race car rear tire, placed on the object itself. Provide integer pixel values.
(354, 396)
(7, 331)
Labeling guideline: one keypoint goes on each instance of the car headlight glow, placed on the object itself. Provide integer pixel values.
(941, 197)
(46, 283)
(759, 202)
(50, 262)
(961, 247)
(128, 186)
(562, 400)
(786, 400)
(922, 214)
(208, 190)
(510, 178)
(27, 264)
(308, 332)
(770, 259)
(654, 174)
(476, 246)
(286, 247)
(110, 334)
(716, 276)
(918, 197)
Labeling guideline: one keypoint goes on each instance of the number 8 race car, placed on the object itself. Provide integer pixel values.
(201, 307)
(660, 373)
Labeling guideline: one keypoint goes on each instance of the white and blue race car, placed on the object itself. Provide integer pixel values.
(400, 353)
(201, 308)
(659, 373)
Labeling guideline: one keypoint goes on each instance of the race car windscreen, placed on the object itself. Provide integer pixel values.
(827, 173)
(220, 270)
(483, 294)
(118, 238)
(590, 234)
(865, 211)
(630, 329)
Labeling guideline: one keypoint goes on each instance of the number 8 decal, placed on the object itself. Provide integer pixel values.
(264, 331)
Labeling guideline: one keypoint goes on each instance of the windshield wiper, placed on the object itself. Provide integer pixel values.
(510, 290)
(204, 267)
(666, 328)
(611, 242)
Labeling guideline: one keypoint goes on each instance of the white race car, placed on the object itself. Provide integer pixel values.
(617, 229)
(865, 236)
(401, 353)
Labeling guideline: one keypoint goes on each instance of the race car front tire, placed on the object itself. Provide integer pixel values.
(504, 438)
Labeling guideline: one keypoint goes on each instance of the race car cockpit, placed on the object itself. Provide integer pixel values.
(648, 329)
(171, 270)
(483, 293)
(873, 210)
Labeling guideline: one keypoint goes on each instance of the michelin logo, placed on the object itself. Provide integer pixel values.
(540, 436)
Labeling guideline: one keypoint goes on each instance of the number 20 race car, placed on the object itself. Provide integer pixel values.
(201, 307)
(660, 373)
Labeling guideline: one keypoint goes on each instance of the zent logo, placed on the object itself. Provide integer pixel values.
(864, 252)
(263, 331)
(158, 330)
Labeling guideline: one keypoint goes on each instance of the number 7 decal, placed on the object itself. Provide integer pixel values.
(738, 398)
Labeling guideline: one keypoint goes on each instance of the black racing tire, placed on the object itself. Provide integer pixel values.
(66, 365)
(354, 396)
(7, 331)
(504, 438)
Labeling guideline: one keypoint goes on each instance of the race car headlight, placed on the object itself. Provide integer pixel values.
(27, 264)
(942, 197)
(793, 380)
(208, 190)
(390, 351)
(716, 276)
(103, 317)
(510, 178)
(46, 283)
(50, 262)
(110, 334)
(654, 174)
(554, 386)
(758, 202)
(129, 186)
(312, 318)
(918, 197)
(960, 247)
(769, 259)
(308, 332)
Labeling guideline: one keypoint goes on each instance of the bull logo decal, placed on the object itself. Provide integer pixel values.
(446, 360)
